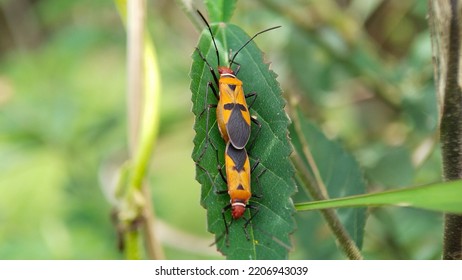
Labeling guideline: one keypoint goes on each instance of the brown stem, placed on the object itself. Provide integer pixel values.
(317, 189)
(153, 246)
(445, 31)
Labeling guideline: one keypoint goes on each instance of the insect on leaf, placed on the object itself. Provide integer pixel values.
(220, 10)
(270, 228)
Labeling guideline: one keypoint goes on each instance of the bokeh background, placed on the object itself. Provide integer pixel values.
(361, 69)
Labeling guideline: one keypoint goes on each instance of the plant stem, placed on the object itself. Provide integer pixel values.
(343, 238)
(317, 189)
(143, 99)
(154, 249)
(135, 44)
(190, 12)
(132, 251)
(445, 31)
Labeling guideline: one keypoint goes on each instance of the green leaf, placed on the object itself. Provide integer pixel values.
(445, 197)
(338, 170)
(394, 168)
(270, 228)
(220, 10)
(310, 243)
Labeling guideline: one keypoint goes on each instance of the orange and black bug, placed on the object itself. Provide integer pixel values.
(234, 123)
(233, 116)
(238, 181)
(237, 167)
(273, 220)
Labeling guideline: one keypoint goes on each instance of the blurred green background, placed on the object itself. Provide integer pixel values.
(361, 69)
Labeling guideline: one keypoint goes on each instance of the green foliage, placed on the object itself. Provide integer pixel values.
(339, 172)
(394, 169)
(55, 132)
(358, 76)
(444, 197)
(220, 10)
(147, 124)
(274, 222)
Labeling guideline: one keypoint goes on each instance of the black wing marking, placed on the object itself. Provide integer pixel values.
(238, 129)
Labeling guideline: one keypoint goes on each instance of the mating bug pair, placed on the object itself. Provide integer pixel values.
(234, 123)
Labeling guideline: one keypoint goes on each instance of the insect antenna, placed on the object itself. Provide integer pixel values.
(248, 41)
(211, 34)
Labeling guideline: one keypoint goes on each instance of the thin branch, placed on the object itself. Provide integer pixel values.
(190, 11)
(135, 44)
(317, 189)
(143, 99)
(135, 70)
(154, 248)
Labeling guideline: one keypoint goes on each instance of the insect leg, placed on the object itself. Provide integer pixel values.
(255, 121)
(206, 172)
(215, 78)
(220, 170)
(252, 94)
(238, 66)
(227, 226)
(207, 142)
(207, 138)
(259, 193)
(223, 211)
(252, 118)
(206, 105)
(247, 222)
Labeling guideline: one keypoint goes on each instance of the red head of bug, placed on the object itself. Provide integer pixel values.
(223, 70)
(237, 210)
